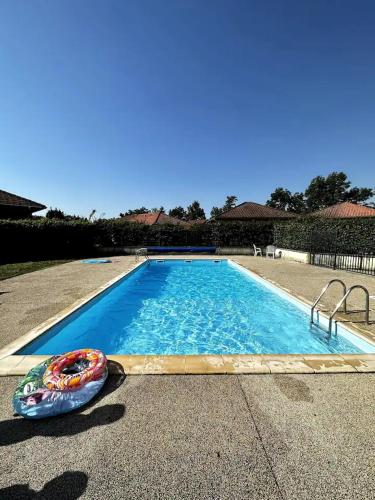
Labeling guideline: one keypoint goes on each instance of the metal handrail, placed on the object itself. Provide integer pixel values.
(367, 305)
(324, 289)
(140, 252)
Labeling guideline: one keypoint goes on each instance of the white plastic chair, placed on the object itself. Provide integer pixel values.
(257, 251)
(271, 251)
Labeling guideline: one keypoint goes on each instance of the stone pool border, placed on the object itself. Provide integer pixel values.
(12, 364)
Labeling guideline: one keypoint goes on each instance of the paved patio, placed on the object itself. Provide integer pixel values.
(200, 437)
(237, 436)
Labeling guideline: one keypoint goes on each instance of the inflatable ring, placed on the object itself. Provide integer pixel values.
(91, 364)
(33, 399)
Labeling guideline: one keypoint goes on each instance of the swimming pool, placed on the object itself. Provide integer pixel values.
(193, 307)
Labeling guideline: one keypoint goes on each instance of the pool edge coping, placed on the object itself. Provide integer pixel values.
(235, 364)
(13, 364)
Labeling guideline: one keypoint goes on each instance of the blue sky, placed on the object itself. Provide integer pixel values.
(116, 104)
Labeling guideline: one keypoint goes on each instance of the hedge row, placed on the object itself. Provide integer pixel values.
(327, 235)
(120, 234)
(45, 238)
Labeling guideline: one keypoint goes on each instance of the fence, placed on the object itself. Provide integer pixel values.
(326, 251)
(359, 263)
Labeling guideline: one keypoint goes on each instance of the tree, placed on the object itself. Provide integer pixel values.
(322, 192)
(55, 213)
(215, 212)
(136, 211)
(283, 199)
(229, 203)
(178, 212)
(335, 188)
(195, 211)
(359, 195)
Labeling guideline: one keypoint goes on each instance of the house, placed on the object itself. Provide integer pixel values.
(344, 210)
(151, 218)
(250, 211)
(13, 206)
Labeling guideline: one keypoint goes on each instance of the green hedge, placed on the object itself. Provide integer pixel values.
(37, 239)
(46, 238)
(118, 233)
(327, 235)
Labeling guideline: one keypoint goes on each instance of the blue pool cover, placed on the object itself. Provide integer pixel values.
(96, 261)
(182, 249)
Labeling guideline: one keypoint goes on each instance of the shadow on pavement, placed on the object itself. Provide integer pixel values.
(70, 485)
(17, 430)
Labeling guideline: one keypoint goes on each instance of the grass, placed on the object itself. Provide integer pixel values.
(10, 270)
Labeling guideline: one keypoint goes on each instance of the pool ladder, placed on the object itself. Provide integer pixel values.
(341, 302)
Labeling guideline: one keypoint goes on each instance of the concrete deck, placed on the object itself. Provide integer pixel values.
(189, 437)
(199, 437)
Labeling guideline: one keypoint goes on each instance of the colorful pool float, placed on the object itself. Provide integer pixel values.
(61, 384)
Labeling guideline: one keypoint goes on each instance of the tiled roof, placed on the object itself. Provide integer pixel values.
(13, 200)
(151, 218)
(146, 218)
(345, 210)
(251, 210)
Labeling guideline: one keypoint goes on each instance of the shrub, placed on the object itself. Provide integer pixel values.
(33, 239)
(43, 239)
(327, 235)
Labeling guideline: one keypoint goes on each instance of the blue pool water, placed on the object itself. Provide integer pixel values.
(189, 307)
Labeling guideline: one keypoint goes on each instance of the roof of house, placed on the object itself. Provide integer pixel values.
(13, 200)
(251, 210)
(345, 210)
(151, 218)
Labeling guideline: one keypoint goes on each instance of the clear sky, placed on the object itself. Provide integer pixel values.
(117, 104)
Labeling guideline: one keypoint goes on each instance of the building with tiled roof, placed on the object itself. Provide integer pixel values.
(345, 210)
(151, 218)
(13, 206)
(248, 211)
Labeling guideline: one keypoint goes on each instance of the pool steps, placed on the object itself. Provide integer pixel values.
(341, 302)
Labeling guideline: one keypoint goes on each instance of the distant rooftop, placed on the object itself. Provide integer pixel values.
(151, 218)
(13, 200)
(345, 210)
(249, 210)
